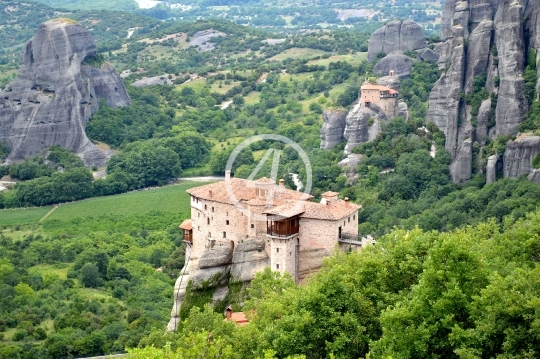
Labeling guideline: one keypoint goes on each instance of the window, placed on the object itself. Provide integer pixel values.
(227, 222)
(349, 219)
(277, 266)
(224, 234)
(205, 206)
(227, 214)
(208, 221)
(199, 214)
(252, 225)
(198, 228)
(277, 250)
(212, 209)
(354, 217)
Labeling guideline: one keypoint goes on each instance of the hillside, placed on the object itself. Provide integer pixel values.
(446, 169)
(55, 295)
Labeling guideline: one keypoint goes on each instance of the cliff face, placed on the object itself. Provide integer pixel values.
(216, 268)
(55, 93)
(396, 36)
(333, 127)
(482, 39)
(363, 122)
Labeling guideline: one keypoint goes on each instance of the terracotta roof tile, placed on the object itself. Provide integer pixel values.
(369, 86)
(331, 211)
(288, 209)
(187, 224)
(244, 190)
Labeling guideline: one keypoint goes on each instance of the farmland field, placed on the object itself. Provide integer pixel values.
(172, 198)
(22, 216)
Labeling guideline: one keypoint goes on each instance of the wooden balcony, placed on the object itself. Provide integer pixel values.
(283, 228)
(188, 235)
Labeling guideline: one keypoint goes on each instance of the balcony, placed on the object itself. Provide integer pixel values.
(187, 236)
(283, 228)
(350, 238)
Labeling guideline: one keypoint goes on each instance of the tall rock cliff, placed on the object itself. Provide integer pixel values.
(56, 92)
(333, 127)
(482, 39)
(396, 36)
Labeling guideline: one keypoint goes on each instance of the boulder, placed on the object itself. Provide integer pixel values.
(57, 90)
(249, 258)
(334, 121)
(519, 154)
(396, 61)
(211, 276)
(403, 110)
(392, 82)
(534, 177)
(217, 256)
(429, 55)
(394, 36)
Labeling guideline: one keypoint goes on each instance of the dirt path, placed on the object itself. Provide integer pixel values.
(47, 214)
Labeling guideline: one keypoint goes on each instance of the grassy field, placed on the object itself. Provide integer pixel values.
(167, 199)
(297, 53)
(353, 59)
(22, 216)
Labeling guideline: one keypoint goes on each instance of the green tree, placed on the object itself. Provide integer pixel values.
(89, 276)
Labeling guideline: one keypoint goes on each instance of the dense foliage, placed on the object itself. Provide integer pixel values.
(471, 293)
(74, 288)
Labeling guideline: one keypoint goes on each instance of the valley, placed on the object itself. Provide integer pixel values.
(424, 115)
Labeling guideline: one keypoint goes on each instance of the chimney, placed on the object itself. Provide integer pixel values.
(282, 182)
(346, 199)
(228, 313)
(330, 196)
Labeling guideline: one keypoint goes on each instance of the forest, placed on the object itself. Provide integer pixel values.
(453, 273)
(469, 293)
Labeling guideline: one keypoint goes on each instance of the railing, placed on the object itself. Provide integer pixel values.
(350, 238)
(283, 228)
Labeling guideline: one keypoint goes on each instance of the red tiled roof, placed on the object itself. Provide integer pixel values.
(369, 86)
(331, 211)
(288, 209)
(187, 225)
(245, 190)
(239, 318)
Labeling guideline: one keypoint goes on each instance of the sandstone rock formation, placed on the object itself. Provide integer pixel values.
(56, 92)
(518, 156)
(216, 268)
(395, 61)
(333, 127)
(495, 32)
(491, 169)
(363, 122)
(396, 35)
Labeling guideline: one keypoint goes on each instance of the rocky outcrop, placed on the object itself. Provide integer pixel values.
(495, 32)
(403, 110)
(364, 121)
(461, 168)
(491, 169)
(478, 53)
(519, 154)
(363, 125)
(534, 177)
(216, 268)
(333, 127)
(512, 105)
(445, 97)
(396, 36)
(428, 55)
(396, 61)
(56, 92)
